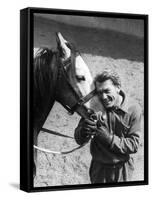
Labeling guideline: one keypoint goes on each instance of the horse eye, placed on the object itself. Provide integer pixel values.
(80, 77)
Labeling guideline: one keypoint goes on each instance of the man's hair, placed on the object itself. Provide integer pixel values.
(108, 75)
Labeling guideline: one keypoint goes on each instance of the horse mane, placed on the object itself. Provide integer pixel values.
(43, 84)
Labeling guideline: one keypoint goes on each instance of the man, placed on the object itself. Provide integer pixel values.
(115, 135)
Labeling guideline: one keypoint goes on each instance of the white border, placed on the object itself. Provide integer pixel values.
(9, 101)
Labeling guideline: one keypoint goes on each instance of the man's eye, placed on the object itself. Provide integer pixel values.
(80, 77)
(107, 91)
(103, 92)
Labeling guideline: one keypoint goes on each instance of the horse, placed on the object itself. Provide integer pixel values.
(62, 76)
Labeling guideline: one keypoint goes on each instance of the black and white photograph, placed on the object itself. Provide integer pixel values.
(87, 114)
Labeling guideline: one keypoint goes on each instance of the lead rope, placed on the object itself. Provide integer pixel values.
(62, 135)
(58, 152)
(80, 103)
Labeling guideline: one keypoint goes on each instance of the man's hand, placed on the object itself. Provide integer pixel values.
(104, 135)
(89, 127)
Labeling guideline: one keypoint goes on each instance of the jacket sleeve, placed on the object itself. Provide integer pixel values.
(79, 135)
(130, 143)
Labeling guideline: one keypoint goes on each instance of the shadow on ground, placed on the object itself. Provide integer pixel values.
(15, 185)
(95, 42)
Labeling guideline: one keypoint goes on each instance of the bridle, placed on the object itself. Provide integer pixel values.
(79, 104)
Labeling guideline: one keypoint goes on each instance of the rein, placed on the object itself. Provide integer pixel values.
(81, 102)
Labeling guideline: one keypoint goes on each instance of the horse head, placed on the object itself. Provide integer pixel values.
(75, 80)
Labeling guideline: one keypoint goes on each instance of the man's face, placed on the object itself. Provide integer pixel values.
(108, 93)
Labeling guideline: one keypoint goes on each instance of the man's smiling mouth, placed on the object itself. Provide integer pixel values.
(107, 100)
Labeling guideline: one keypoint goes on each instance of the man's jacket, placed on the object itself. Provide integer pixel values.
(124, 127)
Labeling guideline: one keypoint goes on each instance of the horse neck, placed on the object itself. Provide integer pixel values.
(44, 90)
(39, 121)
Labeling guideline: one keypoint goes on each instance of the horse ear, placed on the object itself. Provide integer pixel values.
(57, 40)
(60, 40)
(62, 46)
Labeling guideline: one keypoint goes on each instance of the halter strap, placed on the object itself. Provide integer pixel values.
(82, 101)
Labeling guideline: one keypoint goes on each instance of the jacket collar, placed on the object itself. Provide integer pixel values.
(124, 104)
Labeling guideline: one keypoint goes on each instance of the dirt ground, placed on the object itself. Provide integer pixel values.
(100, 49)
